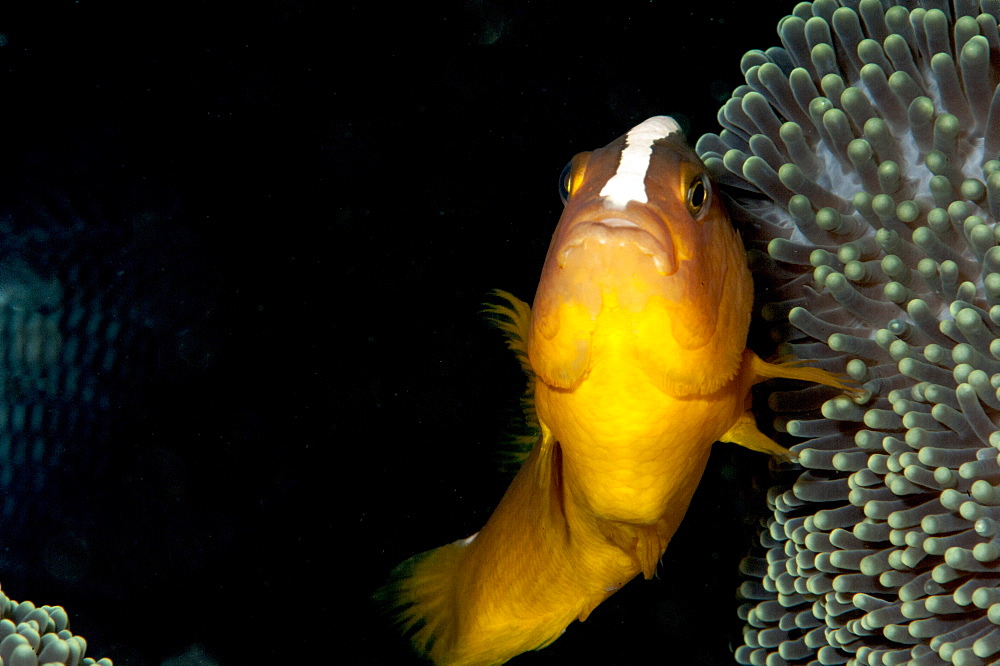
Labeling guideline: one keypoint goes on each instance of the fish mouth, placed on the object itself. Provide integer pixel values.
(620, 232)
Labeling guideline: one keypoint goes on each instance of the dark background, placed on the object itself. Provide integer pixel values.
(347, 183)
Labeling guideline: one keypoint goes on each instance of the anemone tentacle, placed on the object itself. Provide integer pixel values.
(862, 158)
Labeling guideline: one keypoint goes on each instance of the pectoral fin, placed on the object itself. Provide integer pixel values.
(796, 369)
(548, 473)
(546, 458)
(745, 433)
(512, 316)
(643, 543)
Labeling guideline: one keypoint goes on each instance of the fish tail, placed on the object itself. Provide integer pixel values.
(421, 595)
(513, 587)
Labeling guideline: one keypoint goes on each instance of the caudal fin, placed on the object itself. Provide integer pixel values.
(514, 587)
(421, 596)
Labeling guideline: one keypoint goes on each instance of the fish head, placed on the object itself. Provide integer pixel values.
(644, 245)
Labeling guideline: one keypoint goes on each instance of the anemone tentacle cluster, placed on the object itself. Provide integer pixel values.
(31, 635)
(862, 157)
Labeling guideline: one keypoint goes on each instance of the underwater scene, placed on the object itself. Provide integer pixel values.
(244, 256)
(485, 115)
(859, 159)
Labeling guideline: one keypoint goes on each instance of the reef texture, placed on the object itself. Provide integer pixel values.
(862, 160)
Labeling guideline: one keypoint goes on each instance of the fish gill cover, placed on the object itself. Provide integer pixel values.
(862, 156)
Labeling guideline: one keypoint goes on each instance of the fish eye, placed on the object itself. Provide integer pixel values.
(698, 195)
(566, 182)
(572, 176)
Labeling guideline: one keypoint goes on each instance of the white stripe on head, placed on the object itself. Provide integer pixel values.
(628, 183)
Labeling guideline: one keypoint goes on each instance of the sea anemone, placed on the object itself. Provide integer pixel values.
(862, 160)
(31, 635)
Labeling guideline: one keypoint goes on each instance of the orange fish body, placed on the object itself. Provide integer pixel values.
(636, 344)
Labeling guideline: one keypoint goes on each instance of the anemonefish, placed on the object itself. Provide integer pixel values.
(636, 353)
